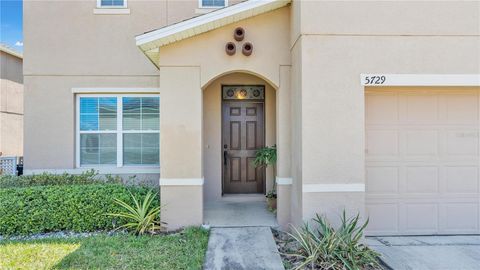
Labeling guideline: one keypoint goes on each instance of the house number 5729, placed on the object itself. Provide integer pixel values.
(374, 80)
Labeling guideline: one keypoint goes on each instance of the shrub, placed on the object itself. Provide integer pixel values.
(44, 179)
(79, 208)
(264, 157)
(327, 248)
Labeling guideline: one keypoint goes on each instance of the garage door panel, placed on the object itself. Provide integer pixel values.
(462, 109)
(462, 142)
(383, 218)
(422, 167)
(420, 217)
(382, 143)
(421, 143)
(382, 180)
(419, 109)
(460, 217)
(462, 180)
(382, 109)
(422, 180)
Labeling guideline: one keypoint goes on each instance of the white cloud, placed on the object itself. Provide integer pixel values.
(19, 43)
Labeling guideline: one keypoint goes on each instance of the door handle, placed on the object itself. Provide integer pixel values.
(225, 146)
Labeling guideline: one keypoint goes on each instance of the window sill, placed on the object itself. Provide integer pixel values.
(111, 11)
(100, 170)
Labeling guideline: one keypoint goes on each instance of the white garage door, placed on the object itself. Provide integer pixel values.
(423, 161)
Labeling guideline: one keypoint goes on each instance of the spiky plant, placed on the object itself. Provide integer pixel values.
(264, 157)
(327, 248)
(141, 217)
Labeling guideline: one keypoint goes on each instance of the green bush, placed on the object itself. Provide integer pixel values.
(79, 208)
(44, 179)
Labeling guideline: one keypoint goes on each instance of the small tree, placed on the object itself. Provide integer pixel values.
(265, 157)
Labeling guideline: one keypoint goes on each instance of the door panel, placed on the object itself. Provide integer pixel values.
(243, 133)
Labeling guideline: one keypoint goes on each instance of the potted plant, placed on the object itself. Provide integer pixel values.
(265, 157)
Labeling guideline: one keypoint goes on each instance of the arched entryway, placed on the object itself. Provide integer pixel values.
(220, 130)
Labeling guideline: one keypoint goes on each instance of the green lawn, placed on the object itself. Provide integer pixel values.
(184, 250)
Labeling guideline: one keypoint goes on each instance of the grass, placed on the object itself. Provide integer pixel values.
(185, 250)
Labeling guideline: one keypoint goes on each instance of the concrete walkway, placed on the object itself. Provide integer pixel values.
(428, 252)
(239, 211)
(241, 248)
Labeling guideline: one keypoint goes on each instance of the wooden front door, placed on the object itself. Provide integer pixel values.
(243, 132)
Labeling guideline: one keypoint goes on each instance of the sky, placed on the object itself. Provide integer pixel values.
(11, 29)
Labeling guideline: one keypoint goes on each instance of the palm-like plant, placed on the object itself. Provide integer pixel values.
(142, 217)
(264, 157)
(327, 248)
(308, 247)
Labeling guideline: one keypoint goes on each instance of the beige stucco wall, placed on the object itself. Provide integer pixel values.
(207, 50)
(50, 115)
(11, 70)
(84, 43)
(179, 10)
(182, 206)
(11, 105)
(296, 134)
(84, 50)
(181, 151)
(212, 129)
(389, 17)
(181, 123)
(328, 44)
(206, 55)
(336, 42)
(99, 51)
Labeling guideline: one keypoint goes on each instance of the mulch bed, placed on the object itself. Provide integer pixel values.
(286, 245)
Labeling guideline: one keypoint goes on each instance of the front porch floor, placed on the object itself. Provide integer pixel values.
(242, 210)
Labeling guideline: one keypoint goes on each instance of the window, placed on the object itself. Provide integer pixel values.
(120, 130)
(112, 3)
(212, 3)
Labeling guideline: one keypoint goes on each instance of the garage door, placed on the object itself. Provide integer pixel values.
(422, 161)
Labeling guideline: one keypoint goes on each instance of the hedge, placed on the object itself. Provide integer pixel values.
(79, 208)
(88, 177)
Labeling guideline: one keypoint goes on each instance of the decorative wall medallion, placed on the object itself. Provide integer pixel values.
(240, 92)
(247, 48)
(230, 48)
(239, 35)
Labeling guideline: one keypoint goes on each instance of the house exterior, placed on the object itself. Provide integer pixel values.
(11, 103)
(374, 106)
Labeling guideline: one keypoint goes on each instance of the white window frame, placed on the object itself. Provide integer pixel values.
(119, 131)
(200, 5)
(99, 5)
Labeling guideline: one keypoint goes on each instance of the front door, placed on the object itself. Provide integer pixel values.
(243, 132)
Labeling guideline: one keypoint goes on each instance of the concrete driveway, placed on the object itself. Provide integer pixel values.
(428, 252)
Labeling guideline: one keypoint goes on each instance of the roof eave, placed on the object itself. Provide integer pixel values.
(11, 52)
